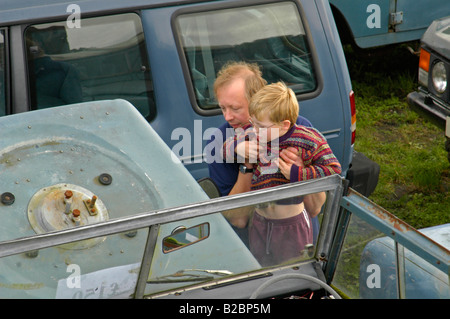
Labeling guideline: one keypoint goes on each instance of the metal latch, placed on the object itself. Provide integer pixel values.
(395, 18)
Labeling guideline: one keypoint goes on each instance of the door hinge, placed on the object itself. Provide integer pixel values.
(395, 18)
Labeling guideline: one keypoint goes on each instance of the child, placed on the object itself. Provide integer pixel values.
(281, 231)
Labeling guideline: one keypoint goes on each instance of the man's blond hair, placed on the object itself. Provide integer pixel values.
(277, 101)
(249, 72)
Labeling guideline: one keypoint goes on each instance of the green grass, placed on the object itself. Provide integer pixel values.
(407, 142)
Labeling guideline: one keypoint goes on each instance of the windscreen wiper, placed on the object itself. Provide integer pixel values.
(186, 275)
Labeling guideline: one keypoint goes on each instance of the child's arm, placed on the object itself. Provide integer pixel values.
(313, 202)
(319, 161)
(323, 163)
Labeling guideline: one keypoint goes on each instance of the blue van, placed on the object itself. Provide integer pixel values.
(163, 57)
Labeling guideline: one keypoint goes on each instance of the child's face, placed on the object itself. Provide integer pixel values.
(267, 130)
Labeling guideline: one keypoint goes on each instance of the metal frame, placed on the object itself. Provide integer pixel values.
(353, 203)
(398, 230)
(404, 236)
(152, 219)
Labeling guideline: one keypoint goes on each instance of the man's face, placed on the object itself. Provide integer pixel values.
(233, 103)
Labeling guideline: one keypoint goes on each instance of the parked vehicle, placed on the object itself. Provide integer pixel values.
(90, 211)
(163, 57)
(104, 103)
(433, 94)
(371, 23)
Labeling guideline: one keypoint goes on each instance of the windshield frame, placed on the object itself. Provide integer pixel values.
(153, 220)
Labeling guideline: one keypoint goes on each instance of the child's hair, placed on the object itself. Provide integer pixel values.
(277, 101)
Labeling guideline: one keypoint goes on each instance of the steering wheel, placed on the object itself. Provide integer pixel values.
(269, 282)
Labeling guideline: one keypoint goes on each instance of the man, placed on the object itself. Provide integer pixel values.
(236, 82)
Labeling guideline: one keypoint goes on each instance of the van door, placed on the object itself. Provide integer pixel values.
(381, 22)
(418, 15)
(287, 39)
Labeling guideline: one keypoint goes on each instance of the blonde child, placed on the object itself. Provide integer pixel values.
(281, 231)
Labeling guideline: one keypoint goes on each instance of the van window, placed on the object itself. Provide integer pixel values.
(271, 35)
(2, 74)
(105, 58)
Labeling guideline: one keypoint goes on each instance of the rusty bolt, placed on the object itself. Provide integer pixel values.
(68, 194)
(92, 201)
(76, 212)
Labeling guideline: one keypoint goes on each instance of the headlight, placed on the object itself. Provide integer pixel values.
(439, 77)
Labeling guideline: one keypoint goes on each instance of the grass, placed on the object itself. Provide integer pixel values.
(407, 142)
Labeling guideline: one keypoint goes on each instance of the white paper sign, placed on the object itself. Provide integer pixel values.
(117, 282)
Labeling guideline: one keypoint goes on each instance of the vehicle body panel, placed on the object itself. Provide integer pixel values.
(384, 22)
(422, 279)
(73, 145)
(123, 263)
(172, 88)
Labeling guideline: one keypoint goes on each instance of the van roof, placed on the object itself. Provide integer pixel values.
(25, 11)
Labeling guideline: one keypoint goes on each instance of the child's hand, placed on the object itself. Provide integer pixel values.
(291, 155)
(248, 150)
(285, 168)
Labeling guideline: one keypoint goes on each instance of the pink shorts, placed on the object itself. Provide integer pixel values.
(273, 241)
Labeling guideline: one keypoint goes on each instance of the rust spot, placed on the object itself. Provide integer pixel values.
(68, 194)
(37, 285)
(383, 214)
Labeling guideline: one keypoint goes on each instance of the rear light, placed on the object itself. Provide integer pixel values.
(353, 113)
(424, 67)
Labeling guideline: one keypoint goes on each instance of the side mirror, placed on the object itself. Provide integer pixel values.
(182, 237)
(209, 187)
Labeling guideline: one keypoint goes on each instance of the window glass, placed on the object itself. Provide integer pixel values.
(105, 58)
(225, 251)
(348, 276)
(372, 265)
(2, 74)
(271, 35)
